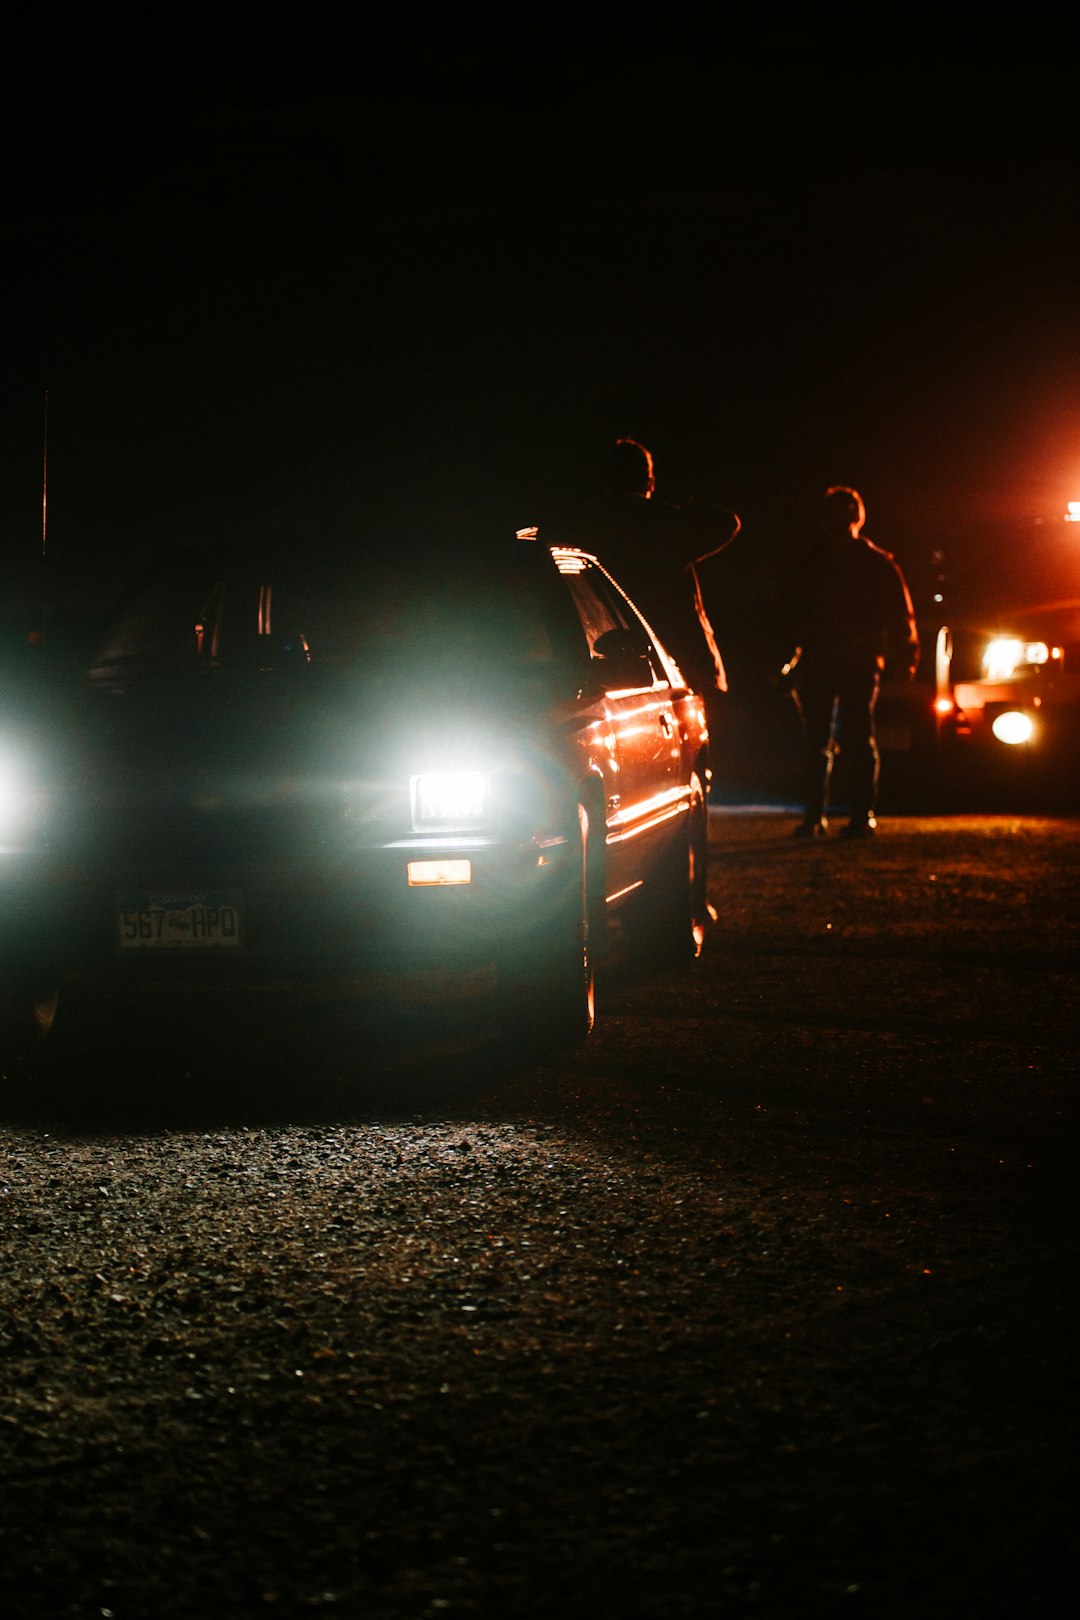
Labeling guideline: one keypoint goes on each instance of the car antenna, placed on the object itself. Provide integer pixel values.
(38, 635)
(44, 474)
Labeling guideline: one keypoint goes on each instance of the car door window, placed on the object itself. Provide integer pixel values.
(601, 608)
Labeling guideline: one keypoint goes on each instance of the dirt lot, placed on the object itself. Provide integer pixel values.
(761, 1306)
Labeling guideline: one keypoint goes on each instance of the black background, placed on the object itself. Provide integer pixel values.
(303, 276)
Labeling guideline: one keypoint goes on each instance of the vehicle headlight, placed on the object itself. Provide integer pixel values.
(450, 801)
(1005, 656)
(18, 802)
(1013, 726)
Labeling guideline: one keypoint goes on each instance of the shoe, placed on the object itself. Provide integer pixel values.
(860, 827)
(811, 829)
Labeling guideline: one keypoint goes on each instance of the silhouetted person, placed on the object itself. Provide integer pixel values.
(653, 549)
(854, 622)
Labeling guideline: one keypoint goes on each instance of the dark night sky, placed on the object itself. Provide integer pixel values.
(302, 281)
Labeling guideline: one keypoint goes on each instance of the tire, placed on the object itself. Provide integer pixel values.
(28, 1004)
(674, 913)
(546, 979)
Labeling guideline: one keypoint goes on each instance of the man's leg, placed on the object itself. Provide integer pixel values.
(857, 703)
(815, 704)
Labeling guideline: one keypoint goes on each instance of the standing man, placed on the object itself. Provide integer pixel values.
(854, 622)
(653, 548)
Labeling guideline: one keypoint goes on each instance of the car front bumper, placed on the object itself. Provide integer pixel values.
(416, 902)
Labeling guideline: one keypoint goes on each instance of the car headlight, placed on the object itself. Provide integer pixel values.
(450, 801)
(1013, 726)
(1005, 656)
(18, 802)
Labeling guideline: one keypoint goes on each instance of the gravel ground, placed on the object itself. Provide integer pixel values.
(761, 1306)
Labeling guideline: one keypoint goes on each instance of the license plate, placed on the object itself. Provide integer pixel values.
(178, 920)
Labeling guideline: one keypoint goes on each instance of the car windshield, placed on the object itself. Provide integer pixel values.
(482, 611)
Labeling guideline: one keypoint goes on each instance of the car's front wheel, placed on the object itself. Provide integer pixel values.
(28, 1003)
(673, 915)
(546, 977)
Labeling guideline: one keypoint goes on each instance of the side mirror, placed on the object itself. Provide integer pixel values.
(623, 659)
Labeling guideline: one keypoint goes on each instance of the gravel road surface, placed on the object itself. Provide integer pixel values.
(760, 1306)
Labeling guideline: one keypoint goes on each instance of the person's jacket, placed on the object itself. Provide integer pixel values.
(653, 550)
(853, 611)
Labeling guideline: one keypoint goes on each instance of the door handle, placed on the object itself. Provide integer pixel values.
(666, 725)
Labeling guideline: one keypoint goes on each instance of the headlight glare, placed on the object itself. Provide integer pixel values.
(1006, 655)
(450, 801)
(1013, 726)
(20, 802)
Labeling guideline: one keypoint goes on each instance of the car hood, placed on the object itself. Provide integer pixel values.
(247, 766)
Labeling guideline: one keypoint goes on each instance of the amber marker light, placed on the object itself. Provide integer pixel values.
(438, 874)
